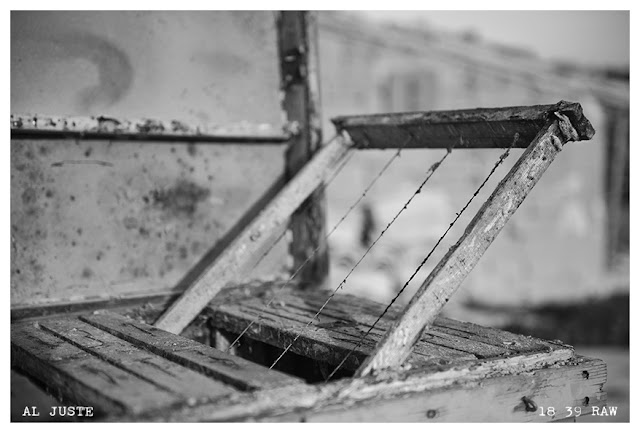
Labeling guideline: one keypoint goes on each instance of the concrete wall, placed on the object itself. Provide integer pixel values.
(97, 218)
(148, 212)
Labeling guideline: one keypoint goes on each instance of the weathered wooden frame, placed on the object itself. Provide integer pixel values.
(449, 273)
(464, 384)
(131, 371)
(562, 122)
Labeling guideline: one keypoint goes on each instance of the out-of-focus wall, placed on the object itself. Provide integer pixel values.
(205, 67)
(552, 250)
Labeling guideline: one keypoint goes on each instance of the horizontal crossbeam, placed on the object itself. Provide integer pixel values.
(111, 128)
(479, 128)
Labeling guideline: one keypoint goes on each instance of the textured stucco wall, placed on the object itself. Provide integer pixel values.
(99, 218)
(199, 67)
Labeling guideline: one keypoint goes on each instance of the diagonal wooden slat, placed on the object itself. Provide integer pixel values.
(241, 253)
(447, 276)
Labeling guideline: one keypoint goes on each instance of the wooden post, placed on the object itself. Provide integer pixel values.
(298, 50)
(397, 344)
(241, 255)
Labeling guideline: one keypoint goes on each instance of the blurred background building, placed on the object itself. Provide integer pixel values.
(560, 268)
(569, 241)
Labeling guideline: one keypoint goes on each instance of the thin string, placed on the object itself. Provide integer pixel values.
(315, 251)
(430, 173)
(500, 160)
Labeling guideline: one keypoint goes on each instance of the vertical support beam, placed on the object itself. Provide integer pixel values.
(298, 51)
(397, 344)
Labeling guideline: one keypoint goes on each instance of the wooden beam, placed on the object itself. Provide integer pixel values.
(298, 51)
(396, 345)
(346, 319)
(81, 378)
(473, 391)
(112, 128)
(240, 256)
(478, 128)
(153, 368)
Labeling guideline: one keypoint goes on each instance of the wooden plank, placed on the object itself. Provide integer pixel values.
(300, 85)
(240, 255)
(79, 377)
(493, 400)
(28, 312)
(481, 341)
(447, 276)
(207, 360)
(327, 340)
(476, 391)
(346, 319)
(25, 393)
(437, 345)
(192, 386)
(478, 128)
(111, 128)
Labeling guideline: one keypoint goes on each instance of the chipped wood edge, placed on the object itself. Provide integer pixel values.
(298, 402)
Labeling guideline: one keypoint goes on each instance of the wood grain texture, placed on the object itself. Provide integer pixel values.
(460, 260)
(300, 85)
(207, 360)
(476, 391)
(192, 386)
(495, 399)
(346, 319)
(77, 376)
(475, 128)
(240, 255)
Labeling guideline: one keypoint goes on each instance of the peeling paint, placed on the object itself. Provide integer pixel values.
(86, 127)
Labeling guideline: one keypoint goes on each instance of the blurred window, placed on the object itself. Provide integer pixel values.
(414, 90)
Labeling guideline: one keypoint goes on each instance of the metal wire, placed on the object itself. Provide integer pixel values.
(429, 173)
(500, 160)
(314, 252)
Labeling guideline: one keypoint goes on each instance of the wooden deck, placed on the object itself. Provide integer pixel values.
(129, 370)
(120, 366)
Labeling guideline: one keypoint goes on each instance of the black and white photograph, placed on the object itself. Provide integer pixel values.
(318, 215)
